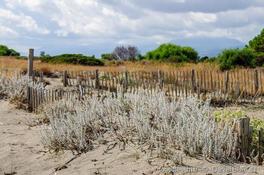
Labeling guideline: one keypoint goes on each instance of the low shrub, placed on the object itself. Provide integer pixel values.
(173, 53)
(260, 59)
(231, 58)
(107, 56)
(5, 51)
(15, 89)
(73, 59)
(229, 116)
(153, 123)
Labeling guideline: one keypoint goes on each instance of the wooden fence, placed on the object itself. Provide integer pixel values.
(243, 85)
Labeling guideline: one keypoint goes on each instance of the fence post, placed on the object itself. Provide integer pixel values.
(29, 98)
(79, 81)
(244, 137)
(160, 79)
(97, 83)
(33, 76)
(193, 81)
(256, 80)
(65, 79)
(30, 62)
(260, 147)
(126, 81)
(226, 81)
(41, 77)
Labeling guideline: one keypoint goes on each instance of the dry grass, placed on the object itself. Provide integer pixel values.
(208, 77)
(11, 62)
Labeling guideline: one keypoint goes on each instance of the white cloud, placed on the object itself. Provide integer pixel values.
(61, 33)
(203, 17)
(33, 5)
(8, 17)
(6, 32)
(90, 19)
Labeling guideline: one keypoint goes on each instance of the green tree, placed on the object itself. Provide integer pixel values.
(173, 53)
(5, 51)
(230, 58)
(257, 43)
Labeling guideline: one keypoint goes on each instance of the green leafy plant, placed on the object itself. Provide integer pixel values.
(257, 124)
(73, 59)
(5, 51)
(107, 56)
(173, 53)
(228, 116)
(231, 58)
(257, 43)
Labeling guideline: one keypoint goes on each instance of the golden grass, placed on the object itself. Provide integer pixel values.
(206, 72)
(11, 62)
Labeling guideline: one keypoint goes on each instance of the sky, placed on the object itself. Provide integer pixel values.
(93, 27)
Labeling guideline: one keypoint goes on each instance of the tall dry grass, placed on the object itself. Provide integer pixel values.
(11, 62)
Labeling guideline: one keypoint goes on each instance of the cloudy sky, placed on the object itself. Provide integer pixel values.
(97, 26)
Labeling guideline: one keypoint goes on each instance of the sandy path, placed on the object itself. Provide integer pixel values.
(21, 152)
(20, 146)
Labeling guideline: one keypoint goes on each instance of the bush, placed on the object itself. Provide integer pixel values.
(107, 56)
(260, 59)
(173, 53)
(231, 58)
(229, 116)
(5, 51)
(148, 121)
(257, 43)
(15, 89)
(73, 59)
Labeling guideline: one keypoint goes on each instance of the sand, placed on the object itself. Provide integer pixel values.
(21, 152)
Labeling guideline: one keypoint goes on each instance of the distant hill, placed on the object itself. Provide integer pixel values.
(209, 46)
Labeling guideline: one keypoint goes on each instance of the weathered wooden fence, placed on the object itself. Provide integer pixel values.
(243, 85)
(38, 97)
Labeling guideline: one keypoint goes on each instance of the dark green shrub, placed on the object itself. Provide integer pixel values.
(257, 43)
(140, 57)
(107, 56)
(5, 51)
(204, 59)
(173, 53)
(231, 58)
(73, 59)
(260, 59)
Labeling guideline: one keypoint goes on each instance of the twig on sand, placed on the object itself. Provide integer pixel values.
(64, 166)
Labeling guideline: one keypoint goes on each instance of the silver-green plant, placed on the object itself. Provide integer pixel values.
(153, 122)
(15, 88)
